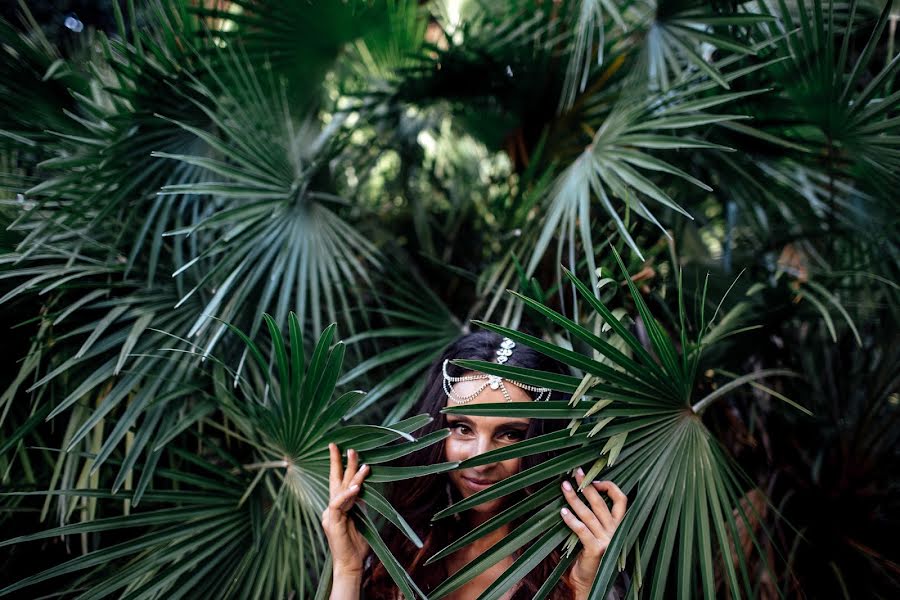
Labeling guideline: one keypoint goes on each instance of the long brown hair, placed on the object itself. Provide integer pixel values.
(418, 500)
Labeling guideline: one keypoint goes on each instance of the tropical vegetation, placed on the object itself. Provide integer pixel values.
(237, 230)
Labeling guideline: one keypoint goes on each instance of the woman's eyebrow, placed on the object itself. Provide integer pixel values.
(508, 424)
(515, 425)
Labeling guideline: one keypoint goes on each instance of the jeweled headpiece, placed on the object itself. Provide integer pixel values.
(493, 381)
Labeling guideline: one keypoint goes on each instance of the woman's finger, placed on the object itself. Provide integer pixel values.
(619, 499)
(360, 476)
(584, 514)
(336, 470)
(592, 546)
(352, 464)
(350, 497)
(598, 504)
(344, 499)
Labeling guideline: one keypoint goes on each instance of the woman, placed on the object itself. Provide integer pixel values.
(355, 569)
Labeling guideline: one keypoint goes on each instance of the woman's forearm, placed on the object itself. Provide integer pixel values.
(346, 586)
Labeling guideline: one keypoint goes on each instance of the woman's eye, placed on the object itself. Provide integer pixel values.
(460, 428)
(514, 436)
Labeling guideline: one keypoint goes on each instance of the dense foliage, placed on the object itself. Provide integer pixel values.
(691, 204)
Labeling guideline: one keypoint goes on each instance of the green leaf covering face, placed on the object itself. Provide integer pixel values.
(474, 435)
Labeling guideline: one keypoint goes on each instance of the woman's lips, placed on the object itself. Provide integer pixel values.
(477, 484)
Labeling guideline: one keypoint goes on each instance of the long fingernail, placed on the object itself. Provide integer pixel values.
(364, 467)
(564, 511)
(580, 471)
(567, 486)
(354, 487)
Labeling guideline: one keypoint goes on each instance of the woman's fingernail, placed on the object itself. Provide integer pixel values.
(564, 511)
(354, 487)
(364, 467)
(567, 486)
(580, 471)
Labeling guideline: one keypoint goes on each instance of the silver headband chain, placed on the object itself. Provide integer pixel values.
(495, 382)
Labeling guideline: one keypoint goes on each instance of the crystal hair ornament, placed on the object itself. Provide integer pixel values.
(495, 382)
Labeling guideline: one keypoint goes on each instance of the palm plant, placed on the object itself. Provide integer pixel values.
(394, 167)
(637, 418)
(259, 521)
(848, 472)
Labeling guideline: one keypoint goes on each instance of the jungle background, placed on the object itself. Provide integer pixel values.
(172, 168)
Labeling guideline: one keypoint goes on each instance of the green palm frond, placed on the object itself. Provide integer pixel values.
(857, 433)
(841, 105)
(682, 34)
(200, 526)
(591, 18)
(507, 272)
(289, 417)
(246, 525)
(392, 44)
(809, 141)
(269, 232)
(635, 419)
(419, 326)
(197, 165)
(618, 164)
(99, 169)
(99, 339)
(105, 360)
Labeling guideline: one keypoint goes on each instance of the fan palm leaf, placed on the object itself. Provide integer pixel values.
(851, 112)
(110, 363)
(202, 164)
(681, 35)
(269, 233)
(225, 527)
(636, 422)
(591, 19)
(100, 170)
(419, 327)
(617, 164)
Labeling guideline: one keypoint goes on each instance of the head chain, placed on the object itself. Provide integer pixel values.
(493, 381)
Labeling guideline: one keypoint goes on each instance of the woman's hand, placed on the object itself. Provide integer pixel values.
(594, 525)
(348, 546)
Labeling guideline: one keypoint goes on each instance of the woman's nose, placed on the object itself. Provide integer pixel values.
(484, 443)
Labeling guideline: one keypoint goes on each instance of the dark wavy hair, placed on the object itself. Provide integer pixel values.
(418, 500)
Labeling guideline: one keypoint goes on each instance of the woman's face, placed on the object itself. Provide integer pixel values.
(474, 435)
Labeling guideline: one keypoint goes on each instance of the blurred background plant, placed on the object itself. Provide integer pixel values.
(170, 167)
